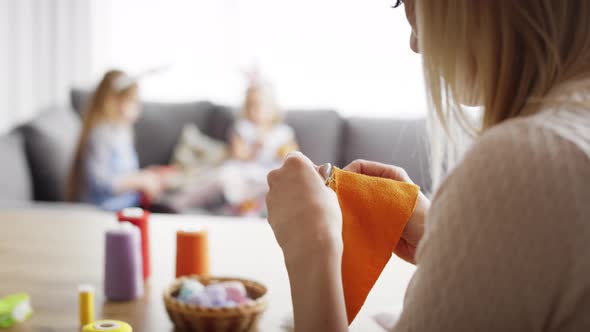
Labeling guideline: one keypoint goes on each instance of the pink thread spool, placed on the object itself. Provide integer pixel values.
(123, 280)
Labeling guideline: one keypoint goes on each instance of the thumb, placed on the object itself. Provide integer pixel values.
(300, 156)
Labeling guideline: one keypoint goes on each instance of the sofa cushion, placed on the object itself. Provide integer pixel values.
(50, 141)
(79, 98)
(399, 142)
(158, 129)
(159, 126)
(220, 123)
(14, 169)
(197, 150)
(318, 134)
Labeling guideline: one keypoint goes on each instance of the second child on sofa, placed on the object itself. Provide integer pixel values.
(105, 170)
(258, 143)
(259, 135)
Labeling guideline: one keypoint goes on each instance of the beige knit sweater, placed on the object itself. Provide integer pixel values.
(507, 241)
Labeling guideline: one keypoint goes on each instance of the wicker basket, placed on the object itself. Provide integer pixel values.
(191, 318)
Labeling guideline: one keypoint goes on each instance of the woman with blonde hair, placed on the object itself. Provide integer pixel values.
(505, 244)
(105, 171)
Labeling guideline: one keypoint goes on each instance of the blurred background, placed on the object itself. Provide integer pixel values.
(349, 55)
(341, 71)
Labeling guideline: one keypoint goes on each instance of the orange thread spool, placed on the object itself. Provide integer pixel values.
(192, 252)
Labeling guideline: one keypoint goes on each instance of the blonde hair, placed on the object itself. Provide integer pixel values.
(511, 57)
(102, 107)
(266, 93)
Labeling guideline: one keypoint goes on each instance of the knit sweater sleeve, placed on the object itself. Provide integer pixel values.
(504, 239)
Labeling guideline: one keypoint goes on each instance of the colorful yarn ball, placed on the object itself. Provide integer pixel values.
(217, 295)
(236, 291)
(200, 299)
(190, 287)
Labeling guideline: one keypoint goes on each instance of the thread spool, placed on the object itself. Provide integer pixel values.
(86, 304)
(107, 325)
(123, 265)
(192, 252)
(139, 218)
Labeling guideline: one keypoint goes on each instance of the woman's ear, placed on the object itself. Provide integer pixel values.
(410, 8)
(414, 42)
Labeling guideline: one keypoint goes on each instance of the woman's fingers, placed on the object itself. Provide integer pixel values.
(295, 169)
(298, 161)
(414, 229)
(372, 168)
(301, 208)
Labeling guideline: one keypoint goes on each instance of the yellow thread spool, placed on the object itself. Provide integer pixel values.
(86, 304)
(108, 325)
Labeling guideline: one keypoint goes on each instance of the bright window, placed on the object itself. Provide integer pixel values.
(349, 55)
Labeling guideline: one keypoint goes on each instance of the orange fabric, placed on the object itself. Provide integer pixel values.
(375, 212)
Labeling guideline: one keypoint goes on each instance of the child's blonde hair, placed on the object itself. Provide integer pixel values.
(267, 94)
(114, 87)
(509, 56)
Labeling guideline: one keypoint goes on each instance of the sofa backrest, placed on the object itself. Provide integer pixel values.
(50, 143)
(400, 142)
(318, 134)
(323, 135)
(15, 178)
(159, 127)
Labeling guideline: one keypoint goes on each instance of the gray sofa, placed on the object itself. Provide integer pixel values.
(36, 155)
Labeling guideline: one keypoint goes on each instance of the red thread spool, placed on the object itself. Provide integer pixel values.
(144, 201)
(192, 253)
(139, 218)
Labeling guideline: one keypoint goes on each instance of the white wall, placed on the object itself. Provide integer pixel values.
(351, 55)
(46, 47)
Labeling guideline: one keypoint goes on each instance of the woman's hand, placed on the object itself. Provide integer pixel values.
(305, 217)
(303, 213)
(412, 234)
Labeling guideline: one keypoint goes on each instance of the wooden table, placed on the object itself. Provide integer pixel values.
(49, 252)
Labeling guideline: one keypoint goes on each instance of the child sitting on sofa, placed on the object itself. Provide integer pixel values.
(258, 143)
(105, 170)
